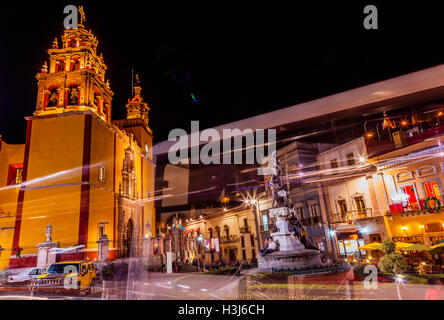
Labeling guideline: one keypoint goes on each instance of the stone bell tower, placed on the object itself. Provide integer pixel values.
(75, 77)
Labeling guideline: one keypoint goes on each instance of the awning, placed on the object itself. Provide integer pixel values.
(417, 247)
(438, 249)
(371, 246)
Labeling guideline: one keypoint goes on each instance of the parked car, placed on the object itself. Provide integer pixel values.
(24, 276)
(71, 276)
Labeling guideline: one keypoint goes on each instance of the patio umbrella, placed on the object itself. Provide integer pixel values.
(438, 249)
(403, 245)
(371, 246)
(417, 247)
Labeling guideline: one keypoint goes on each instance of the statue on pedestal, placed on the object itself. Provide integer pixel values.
(280, 197)
(288, 222)
(49, 233)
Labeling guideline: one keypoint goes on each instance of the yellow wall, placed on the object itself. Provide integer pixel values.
(55, 159)
(9, 154)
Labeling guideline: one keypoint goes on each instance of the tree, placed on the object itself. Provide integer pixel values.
(392, 261)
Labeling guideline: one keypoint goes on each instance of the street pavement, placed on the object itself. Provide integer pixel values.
(247, 286)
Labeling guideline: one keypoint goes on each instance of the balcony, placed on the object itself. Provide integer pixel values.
(245, 229)
(229, 239)
(415, 208)
(355, 214)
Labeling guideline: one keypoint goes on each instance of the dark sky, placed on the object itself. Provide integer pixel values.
(238, 61)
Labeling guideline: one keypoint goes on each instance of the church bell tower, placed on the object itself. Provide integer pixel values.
(75, 78)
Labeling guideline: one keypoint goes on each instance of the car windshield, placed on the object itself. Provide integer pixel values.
(63, 268)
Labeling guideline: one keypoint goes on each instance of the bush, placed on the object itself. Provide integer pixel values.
(358, 269)
(392, 261)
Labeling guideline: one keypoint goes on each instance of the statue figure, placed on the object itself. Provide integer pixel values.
(48, 233)
(280, 197)
(73, 96)
(53, 99)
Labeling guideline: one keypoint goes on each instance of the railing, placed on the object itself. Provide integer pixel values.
(356, 214)
(412, 208)
(245, 229)
(233, 238)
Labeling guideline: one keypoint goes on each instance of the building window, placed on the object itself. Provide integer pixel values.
(334, 163)
(15, 174)
(342, 205)
(18, 175)
(210, 230)
(242, 241)
(244, 254)
(245, 222)
(253, 253)
(227, 231)
(102, 174)
(350, 159)
(314, 209)
(252, 240)
(411, 202)
(360, 204)
(434, 227)
(431, 189)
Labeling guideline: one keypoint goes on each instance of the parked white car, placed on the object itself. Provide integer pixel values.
(25, 275)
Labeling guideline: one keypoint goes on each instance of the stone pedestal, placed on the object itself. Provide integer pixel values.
(46, 257)
(287, 240)
(147, 247)
(292, 254)
(103, 251)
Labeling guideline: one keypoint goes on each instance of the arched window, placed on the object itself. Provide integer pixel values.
(217, 231)
(73, 95)
(60, 65)
(75, 64)
(227, 231)
(53, 98)
(72, 42)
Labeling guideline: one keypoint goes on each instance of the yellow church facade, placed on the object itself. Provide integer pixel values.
(78, 171)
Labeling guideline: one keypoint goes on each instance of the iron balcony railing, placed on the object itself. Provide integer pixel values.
(354, 214)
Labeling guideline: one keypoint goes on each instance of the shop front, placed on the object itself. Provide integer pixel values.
(348, 243)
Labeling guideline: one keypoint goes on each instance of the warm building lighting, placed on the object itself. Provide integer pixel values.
(404, 123)
(369, 135)
(404, 228)
(421, 226)
(362, 159)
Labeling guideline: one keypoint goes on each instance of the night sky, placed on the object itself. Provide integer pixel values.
(237, 61)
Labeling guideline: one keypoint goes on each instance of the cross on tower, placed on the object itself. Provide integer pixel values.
(82, 14)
